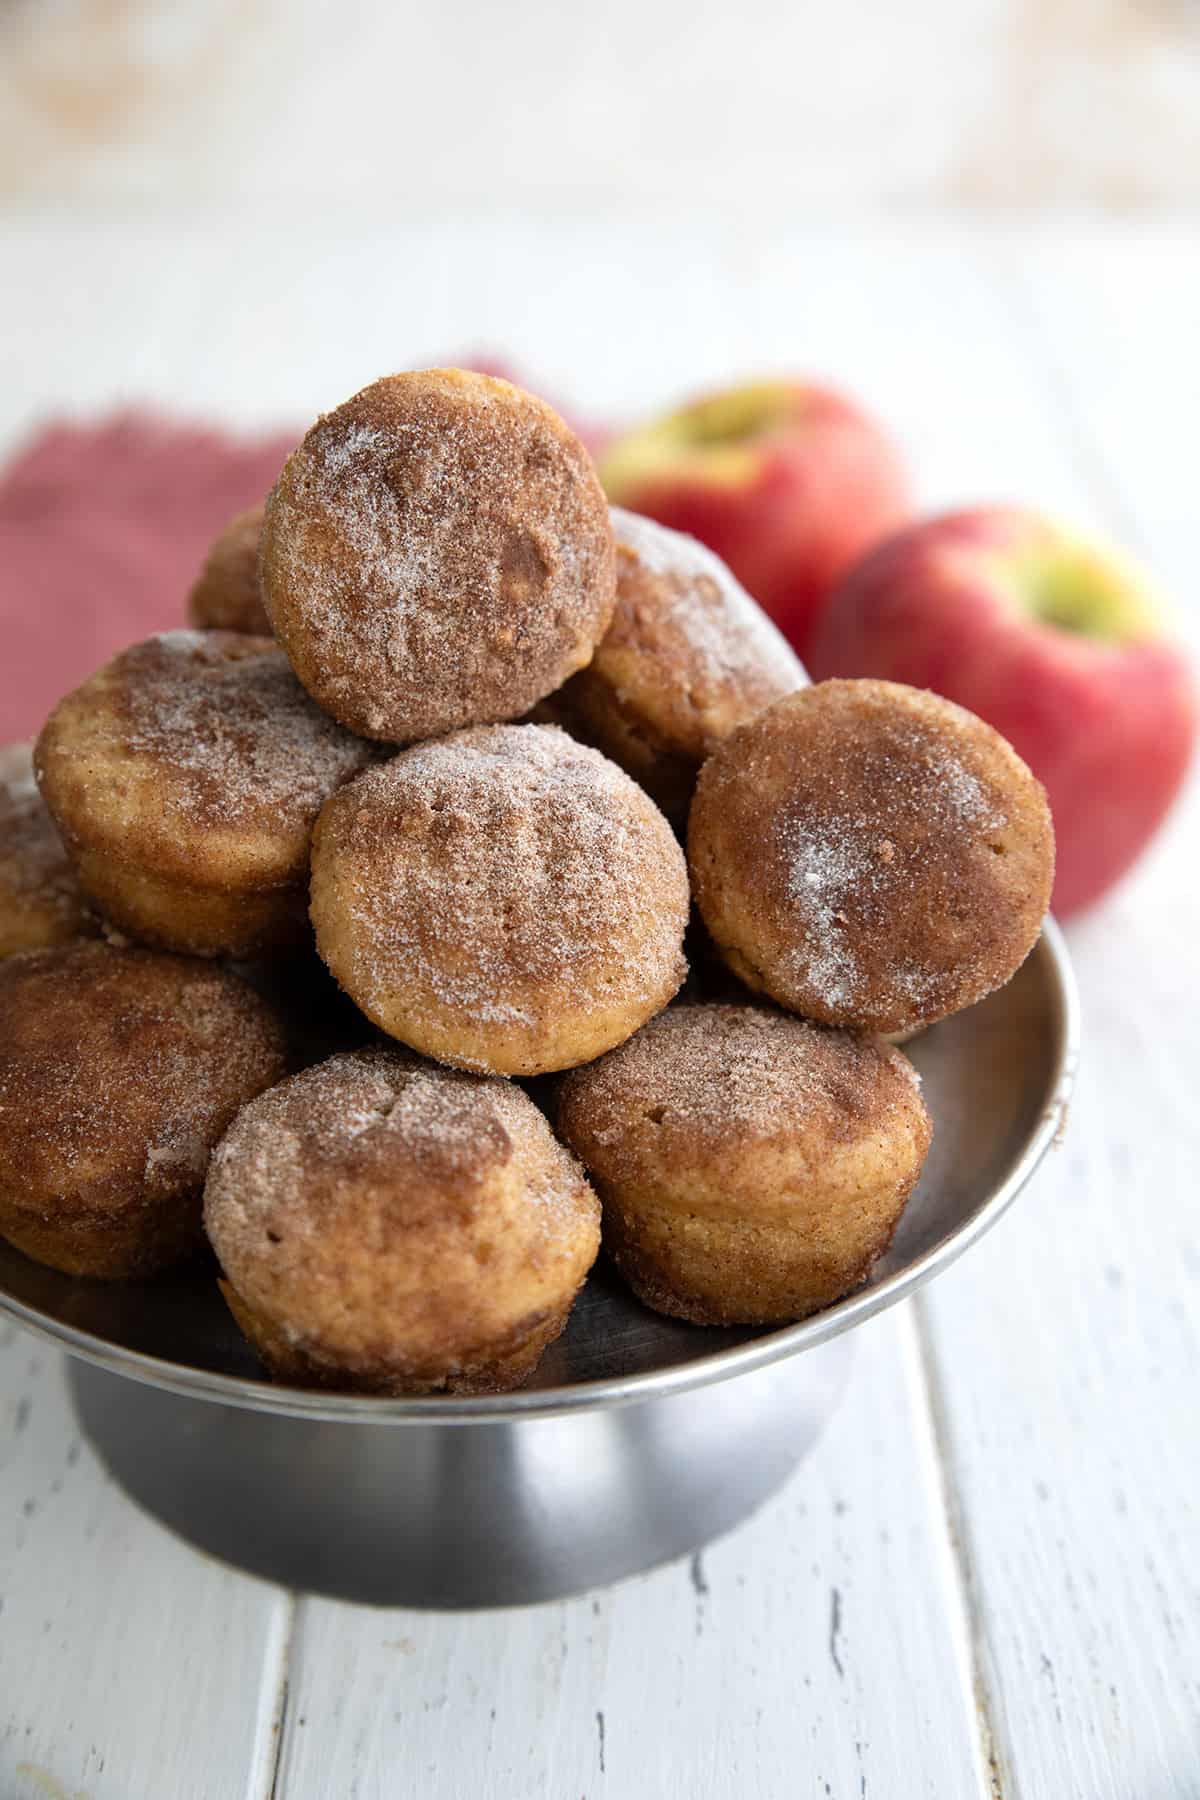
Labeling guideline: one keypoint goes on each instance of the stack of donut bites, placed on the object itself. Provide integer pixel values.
(447, 720)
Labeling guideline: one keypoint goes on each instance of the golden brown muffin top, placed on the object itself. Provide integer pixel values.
(120, 1068)
(36, 876)
(875, 855)
(501, 871)
(378, 1197)
(688, 653)
(227, 595)
(437, 553)
(199, 755)
(702, 1080)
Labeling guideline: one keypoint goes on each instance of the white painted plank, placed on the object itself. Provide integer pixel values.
(1065, 1350)
(818, 1650)
(131, 1668)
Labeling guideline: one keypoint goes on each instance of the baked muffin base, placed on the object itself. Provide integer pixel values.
(497, 1374)
(127, 1245)
(173, 915)
(752, 1280)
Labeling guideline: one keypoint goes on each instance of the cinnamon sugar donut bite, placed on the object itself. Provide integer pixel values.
(437, 553)
(389, 1226)
(41, 901)
(752, 1166)
(688, 657)
(119, 1071)
(504, 899)
(185, 778)
(227, 595)
(870, 855)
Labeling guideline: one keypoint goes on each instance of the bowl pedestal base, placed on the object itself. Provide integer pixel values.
(461, 1515)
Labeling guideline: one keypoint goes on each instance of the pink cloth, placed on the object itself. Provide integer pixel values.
(102, 530)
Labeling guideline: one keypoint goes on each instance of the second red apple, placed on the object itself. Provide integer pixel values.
(1055, 642)
(788, 481)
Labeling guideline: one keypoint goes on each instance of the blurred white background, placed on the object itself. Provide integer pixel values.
(761, 106)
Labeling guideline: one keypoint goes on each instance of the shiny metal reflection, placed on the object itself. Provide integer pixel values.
(639, 1437)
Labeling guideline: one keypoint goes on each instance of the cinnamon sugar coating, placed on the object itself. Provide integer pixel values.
(752, 1166)
(504, 899)
(227, 595)
(688, 657)
(185, 777)
(437, 553)
(41, 901)
(870, 855)
(394, 1227)
(119, 1071)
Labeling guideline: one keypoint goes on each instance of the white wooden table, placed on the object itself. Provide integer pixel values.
(986, 1580)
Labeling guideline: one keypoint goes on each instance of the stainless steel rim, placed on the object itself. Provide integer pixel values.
(790, 1340)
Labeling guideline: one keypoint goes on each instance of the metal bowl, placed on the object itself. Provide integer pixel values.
(637, 1440)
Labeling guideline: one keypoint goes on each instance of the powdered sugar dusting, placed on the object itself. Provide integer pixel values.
(437, 552)
(504, 874)
(723, 1074)
(842, 865)
(384, 1141)
(727, 633)
(963, 797)
(178, 1153)
(234, 733)
(394, 550)
(824, 869)
(120, 1069)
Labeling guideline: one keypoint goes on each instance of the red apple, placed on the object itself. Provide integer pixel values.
(787, 481)
(1051, 639)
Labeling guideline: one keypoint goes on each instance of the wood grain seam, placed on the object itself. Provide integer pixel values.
(281, 1692)
(968, 1593)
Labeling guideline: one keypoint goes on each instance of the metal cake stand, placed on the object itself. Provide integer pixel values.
(637, 1440)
